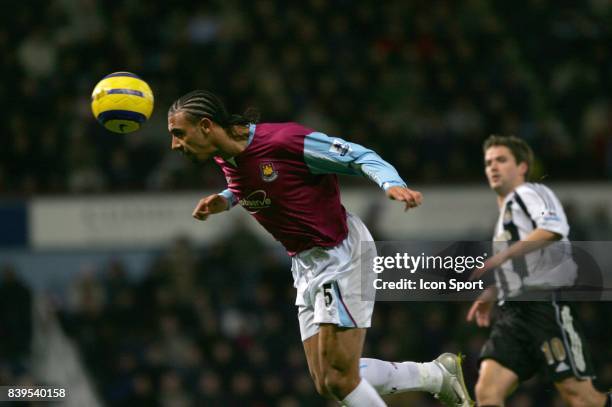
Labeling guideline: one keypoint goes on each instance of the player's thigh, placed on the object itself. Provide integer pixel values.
(334, 345)
(579, 392)
(334, 350)
(311, 350)
(495, 379)
(340, 350)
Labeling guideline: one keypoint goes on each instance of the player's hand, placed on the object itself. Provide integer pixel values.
(410, 197)
(209, 206)
(481, 311)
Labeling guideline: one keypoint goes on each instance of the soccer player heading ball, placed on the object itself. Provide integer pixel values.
(284, 174)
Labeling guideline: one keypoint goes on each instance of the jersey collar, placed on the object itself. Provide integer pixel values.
(252, 127)
(232, 160)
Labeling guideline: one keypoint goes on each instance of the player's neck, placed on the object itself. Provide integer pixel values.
(235, 143)
(501, 195)
(500, 200)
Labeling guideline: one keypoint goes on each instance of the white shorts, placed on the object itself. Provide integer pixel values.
(329, 283)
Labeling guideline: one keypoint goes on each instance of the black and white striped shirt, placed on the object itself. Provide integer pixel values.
(533, 206)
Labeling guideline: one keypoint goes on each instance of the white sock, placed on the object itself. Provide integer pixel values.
(363, 395)
(398, 377)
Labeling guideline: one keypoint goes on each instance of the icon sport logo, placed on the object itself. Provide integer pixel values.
(268, 172)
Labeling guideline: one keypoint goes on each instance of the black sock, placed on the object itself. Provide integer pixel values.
(608, 400)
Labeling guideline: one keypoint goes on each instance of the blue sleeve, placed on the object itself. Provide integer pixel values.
(231, 198)
(325, 155)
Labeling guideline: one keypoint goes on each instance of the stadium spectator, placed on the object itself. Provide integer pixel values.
(360, 75)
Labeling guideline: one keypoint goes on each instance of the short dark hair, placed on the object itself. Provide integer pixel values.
(203, 103)
(518, 147)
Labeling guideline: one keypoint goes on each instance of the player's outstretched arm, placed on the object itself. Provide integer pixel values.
(209, 206)
(410, 197)
(536, 240)
(326, 155)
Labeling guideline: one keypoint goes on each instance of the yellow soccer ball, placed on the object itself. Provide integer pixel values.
(122, 102)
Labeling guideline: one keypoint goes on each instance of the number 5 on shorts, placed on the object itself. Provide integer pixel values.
(328, 294)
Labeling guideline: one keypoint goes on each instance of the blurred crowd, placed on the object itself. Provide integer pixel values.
(216, 326)
(422, 83)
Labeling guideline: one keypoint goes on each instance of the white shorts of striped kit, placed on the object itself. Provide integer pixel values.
(329, 283)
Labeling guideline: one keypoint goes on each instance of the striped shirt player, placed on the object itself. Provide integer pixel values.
(531, 206)
(285, 176)
(529, 337)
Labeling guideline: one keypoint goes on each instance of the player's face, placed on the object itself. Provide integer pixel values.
(502, 170)
(192, 139)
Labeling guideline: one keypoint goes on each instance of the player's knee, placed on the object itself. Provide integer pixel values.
(339, 383)
(487, 394)
(580, 394)
(319, 382)
(320, 385)
(576, 398)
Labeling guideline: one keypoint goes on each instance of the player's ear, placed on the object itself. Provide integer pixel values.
(523, 168)
(206, 124)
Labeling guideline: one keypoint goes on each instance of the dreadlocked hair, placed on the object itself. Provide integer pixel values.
(202, 103)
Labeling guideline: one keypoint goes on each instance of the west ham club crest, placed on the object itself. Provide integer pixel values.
(268, 173)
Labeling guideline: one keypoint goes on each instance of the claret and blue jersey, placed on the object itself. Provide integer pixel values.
(286, 179)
